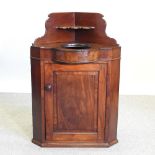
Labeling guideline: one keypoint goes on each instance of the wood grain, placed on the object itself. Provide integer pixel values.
(75, 90)
(75, 19)
(37, 69)
(78, 97)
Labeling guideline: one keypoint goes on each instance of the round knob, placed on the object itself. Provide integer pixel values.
(48, 87)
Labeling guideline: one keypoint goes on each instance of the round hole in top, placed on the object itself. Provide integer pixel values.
(76, 46)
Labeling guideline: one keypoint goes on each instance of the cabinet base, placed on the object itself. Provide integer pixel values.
(74, 144)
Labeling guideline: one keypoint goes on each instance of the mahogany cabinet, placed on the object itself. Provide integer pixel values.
(75, 83)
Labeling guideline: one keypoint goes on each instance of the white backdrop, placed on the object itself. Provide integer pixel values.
(131, 22)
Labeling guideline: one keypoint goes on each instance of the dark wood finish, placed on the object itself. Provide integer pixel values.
(38, 99)
(75, 90)
(78, 111)
(75, 56)
(76, 24)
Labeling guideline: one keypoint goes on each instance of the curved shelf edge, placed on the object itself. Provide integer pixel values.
(75, 27)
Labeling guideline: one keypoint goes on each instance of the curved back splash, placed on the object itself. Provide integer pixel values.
(75, 27)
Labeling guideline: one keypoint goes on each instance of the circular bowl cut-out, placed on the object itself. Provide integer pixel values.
(76, 46)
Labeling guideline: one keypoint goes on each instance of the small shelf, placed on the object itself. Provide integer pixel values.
(75, 27)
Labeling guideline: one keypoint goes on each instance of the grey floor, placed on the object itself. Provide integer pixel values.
(136, 128)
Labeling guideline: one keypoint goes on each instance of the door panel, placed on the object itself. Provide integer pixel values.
(73, 109)
(75, 100)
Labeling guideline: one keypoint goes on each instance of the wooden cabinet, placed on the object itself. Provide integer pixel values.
(75, 102)
(75, 89)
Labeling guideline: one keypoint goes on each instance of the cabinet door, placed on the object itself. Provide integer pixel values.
(75, 102)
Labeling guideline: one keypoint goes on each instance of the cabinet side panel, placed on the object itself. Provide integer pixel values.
(112, 100)
(37, 101)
